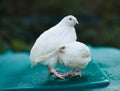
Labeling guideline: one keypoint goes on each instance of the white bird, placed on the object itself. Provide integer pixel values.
(74, 55)
(62, 33)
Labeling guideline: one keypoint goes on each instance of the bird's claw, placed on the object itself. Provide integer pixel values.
(57, 75)
(73, 74)
(66, 74)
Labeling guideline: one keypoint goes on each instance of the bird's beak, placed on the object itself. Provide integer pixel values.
(77, 22)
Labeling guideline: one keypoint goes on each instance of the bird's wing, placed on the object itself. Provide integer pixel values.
(47, 55)
(43, 57)
(42, 45)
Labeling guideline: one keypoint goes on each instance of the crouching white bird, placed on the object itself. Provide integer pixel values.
(76, 56)
(62, 33)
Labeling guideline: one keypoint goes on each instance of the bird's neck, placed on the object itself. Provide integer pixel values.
(63, 24)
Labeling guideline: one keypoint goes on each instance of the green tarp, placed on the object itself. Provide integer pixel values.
(16, 73)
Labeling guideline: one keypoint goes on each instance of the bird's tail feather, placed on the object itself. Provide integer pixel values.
(38, 60)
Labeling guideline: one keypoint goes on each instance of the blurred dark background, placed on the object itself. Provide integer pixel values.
(22, 21)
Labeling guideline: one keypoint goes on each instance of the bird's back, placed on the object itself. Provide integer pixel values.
(76, 55)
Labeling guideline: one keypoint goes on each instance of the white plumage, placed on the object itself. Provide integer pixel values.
(74, 55)
(62, 33)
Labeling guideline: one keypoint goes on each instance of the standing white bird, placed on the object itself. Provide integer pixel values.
(74, 55)
(62, 33)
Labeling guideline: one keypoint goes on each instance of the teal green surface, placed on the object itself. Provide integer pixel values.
(108, 59)
(15, 72)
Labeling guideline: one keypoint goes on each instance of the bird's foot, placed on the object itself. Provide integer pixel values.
(73, 74)
(57, 75)
(66, 74)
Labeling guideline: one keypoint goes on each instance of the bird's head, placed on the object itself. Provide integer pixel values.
(70, 20)
(62, 49)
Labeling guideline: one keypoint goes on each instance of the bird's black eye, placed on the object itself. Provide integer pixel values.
(70, 18)
(63, 47)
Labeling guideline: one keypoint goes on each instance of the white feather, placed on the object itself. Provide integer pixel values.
(62, 33)
(75, 55)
